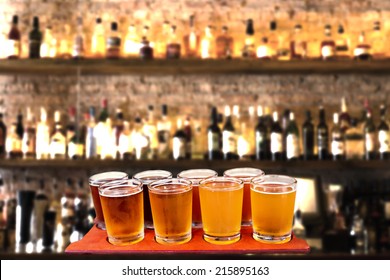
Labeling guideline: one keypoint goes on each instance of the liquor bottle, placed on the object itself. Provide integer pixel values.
(263, 51)
(14, 45)
(343, 44)
(57, 148)
(276, 139)
(98, 42)
(162, 39)
(3, 136)
(354, 141)
(78, 41)
(140, 141)
(56, 207)
(3, 223)
(250, 132)
(173, 45)
(362, 50)
(207, 44)
(337, 139)
(113, 44)
(101, 132)
(29, 137)
(370, 138)
(164, 133)
(262, 137)
(90, 139)
(43, 136)
(76, 146)
(179, 142)
(328, 45)
(214, 137)
(67, 215)
(131, 43)
(188, 132)
(19, 125)
(229, 141)
(224, 44)
(322, 136)
(298, 45)
(273, 40)
(150, 130)
(308, 137)
(118, 128)
(64, 46)
(284, 124)
(41, 205)
(378, 41)
(344, 117)
(71, 126)
(13, 144)
(10, 211)
(249, 49)
(125, 147)
(191, 40)
(146, 51)
(49, 44)
(81, 204)
(35, 40)
(292, 139)
(383, 135)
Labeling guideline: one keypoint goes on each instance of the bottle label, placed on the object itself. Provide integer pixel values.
(292, 146)
(212, 141)
(113, 42)
(72, 150)
(13, 145)
(276, 142)
(57, 148)
(173, 51)
(228, 142)
(383, 137)
(261, 142)
(28, 143)
(300, 48)
(14, 48)
(362, 50)
(322, 139)
(90, 144)
(327, 51)
(35, 48)
(78, 47)
(370, 142)
(179, 148)
(163, 143)
(337, 145)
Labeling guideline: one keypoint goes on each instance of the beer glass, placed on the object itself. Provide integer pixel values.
(94, 182)
(273, 200)
(147, 177)
(123, 205)
(171, 204)
(221, 206)
(246, 174)
(195, 176)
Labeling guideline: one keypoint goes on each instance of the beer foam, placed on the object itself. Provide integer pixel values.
(274, 189)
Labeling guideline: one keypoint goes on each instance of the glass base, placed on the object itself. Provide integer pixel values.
(271, 239)
(220, 240)
(173, 240)
(101, 225)
(126, 240)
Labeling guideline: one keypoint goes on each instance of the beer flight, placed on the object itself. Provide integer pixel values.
(197, 198)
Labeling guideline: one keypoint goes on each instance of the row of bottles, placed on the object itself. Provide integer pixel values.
(41, 216)
(211, 43)
(234, 136)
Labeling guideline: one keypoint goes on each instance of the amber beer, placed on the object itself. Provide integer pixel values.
(95, 182)
(122, 204)
(147, 177)
(195, 176)
(171, 203)
(221, 205)
(273, 200)
(246, 174)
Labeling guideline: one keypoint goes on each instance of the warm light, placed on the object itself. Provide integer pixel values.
(140, 142)
(192, 41)
(132, 45)
(262, 51)
(242, 146)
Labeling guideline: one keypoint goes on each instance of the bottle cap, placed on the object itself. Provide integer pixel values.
(272, 25)
(36, 22)
(340, 30)
(249, 27)
(15, 19)
(114, 26)
(164, 109)
(98, 20)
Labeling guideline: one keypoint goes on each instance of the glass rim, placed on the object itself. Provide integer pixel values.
(185, 185)
(279, 180)
(104, 177)
(198, 174)
(144, 176)
(243, 173)
(118, 184)
(239, 184)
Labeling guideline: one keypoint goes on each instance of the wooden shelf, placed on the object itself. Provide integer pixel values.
(188, 66)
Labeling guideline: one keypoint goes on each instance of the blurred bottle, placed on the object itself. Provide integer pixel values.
(64, 46)
(224, 44)
(3, 222)
(191, 40)
(164, 133)
(362, 50)
(343, 44)
(370, 138)
(132, 43)
(383, 135)
(67, 215)
(344, 117)
(29, 137)
(173, 46)
(207, 44)
(49, 44)
(117, 129)
(150, 130)
(262, 136)
(71, 126)
(292, 139)
(10, 207)
(308, 137)
(41, 205)
(113, 43)
(125, 146)
(146, 50)
(13, 144)
(14, 47)
(298, 45)
(163, 38)
(78, 49)
(3, 136)
(337, 139)
(179, 142)
(377, 40)
(98, 41)
(35, 40)
(57, 148)
(328, 45)
(249, 50)
(354, 141)
(102, 132)
(276, 139)
(214, 137)
(81, 204)
(43, 136)
(322, 136)
(139, 140)
(90, 139)
(229, 139)
(188, 133)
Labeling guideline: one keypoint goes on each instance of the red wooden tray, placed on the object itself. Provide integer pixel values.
(95, 242)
